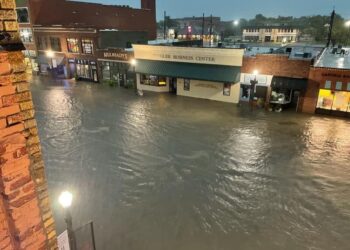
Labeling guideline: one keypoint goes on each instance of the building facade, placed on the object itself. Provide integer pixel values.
(277, 34)
(65, 44)
(207, 73)
(274, 73)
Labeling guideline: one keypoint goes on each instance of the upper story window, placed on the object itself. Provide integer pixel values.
(339, 86)
(73, 45)
(328, 85)
(348, 88)
(55, 43)
(22, 15)
(26, 35)
(42, 43)
(87, 46)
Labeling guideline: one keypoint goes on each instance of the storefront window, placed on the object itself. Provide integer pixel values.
(328, 85)
(26, 35)
(42, 43)
(227, 89)
(153, 80)
(55, 43)
(83, 71)
(87, 46)
(325, 99)
(187, 84)
(341, 101)
(73, 45)
(106, 71)
(22, 15)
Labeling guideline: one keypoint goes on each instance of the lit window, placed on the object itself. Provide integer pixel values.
(328, 85)
(26, 35)
(339, 86)
(87, 46)
(73, 45)
(348, 86)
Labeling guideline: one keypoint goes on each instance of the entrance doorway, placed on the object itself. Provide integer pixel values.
(173, 85)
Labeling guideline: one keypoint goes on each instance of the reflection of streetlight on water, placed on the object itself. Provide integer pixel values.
(65, 199)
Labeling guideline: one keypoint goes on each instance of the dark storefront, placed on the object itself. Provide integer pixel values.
(82, 69)
(114, 66)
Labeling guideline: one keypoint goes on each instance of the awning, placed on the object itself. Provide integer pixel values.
(288, 83)
(215, 73)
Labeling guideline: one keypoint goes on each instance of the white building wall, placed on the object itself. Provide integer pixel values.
(208, 90)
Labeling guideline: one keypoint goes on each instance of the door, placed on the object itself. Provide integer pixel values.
(173, 85)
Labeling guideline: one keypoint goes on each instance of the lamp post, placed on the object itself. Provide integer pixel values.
(50, 54)
(65, 199)
(133, 63)
(347, 24)
(253, 83)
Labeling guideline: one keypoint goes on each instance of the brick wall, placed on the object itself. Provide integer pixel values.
(317, 80)
(276, 65)
(25, 216)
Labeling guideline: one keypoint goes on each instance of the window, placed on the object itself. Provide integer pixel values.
(187, 84)
(55, 43)
(153, 80)
(42, 43)
(22, 15)
(73, 45)
(227, 89)
(328, 85)
(26, 35)
(348, 86)
(339, 86)
(87, 46)
(106, 71)
(325, 99)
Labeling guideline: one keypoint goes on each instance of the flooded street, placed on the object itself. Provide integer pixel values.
(163, 172)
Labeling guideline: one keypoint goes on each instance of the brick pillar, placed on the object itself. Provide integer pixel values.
(25, 216)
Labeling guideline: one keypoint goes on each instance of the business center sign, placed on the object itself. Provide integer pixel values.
(213, 56)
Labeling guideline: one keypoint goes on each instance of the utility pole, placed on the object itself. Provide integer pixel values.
(164, 25)
(203, 20)
(211, 29)
(331, 29)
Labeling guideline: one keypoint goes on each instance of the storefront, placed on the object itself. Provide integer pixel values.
(334, 99)
(207, 73)
(85, 70)
(114, 67)
(261, 88)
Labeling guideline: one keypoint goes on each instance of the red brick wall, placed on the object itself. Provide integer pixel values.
(317, 80)
(277, 65)
(26, 219)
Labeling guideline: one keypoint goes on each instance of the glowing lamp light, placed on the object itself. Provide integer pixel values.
(65, 199)
(347, 24)
(133, 62)
(50, 54)
(235, 23)
(25, 34)
(255, 72)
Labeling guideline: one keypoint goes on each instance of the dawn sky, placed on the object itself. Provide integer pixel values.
(233, 9)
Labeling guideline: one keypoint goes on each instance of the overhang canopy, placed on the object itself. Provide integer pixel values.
(288, 83)
(215, 73)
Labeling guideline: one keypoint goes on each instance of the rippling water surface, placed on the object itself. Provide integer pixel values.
(162, 172)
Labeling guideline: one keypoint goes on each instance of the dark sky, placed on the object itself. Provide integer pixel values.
(235, 9)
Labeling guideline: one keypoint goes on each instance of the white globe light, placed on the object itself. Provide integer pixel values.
(65, 199)
(133, 62)
(255, 72)
(50, 54)
(236, 22)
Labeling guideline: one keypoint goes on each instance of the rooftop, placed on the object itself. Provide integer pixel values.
(334, 58)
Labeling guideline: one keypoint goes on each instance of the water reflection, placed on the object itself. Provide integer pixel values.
(165, 172)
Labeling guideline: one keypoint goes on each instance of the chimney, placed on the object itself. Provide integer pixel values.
(148, 4)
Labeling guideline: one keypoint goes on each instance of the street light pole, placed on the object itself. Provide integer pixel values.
(133, 63)
(65, 200)
(253, 83)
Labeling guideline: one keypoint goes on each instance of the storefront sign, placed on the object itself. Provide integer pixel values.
(114, 54)
(213, 56)
(259, 78)
(207, 85)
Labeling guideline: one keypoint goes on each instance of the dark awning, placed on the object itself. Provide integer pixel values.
(288, 83)
(215, 73)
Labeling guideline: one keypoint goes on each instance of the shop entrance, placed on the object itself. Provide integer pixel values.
(335, 103)
(173, 85)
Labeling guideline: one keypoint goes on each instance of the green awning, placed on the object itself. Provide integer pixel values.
(215, 73)
(288, 83)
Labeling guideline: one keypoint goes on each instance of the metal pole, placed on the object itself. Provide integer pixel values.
(203, 30)
(330, 29)
(69, 223)
(211, 29)
(164, 25)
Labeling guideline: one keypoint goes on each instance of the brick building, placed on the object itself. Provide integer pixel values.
(66, 43)
(328, 89)
(25, 214)
(274, 73)
(278, 34)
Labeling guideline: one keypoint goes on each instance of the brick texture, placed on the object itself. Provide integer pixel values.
(26, 220)
(277, 65)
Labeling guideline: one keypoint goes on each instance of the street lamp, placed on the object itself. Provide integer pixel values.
(347, 24)
(236, 22)
(253, 83)
(133, 63)
(50, 54)
(66, 199)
